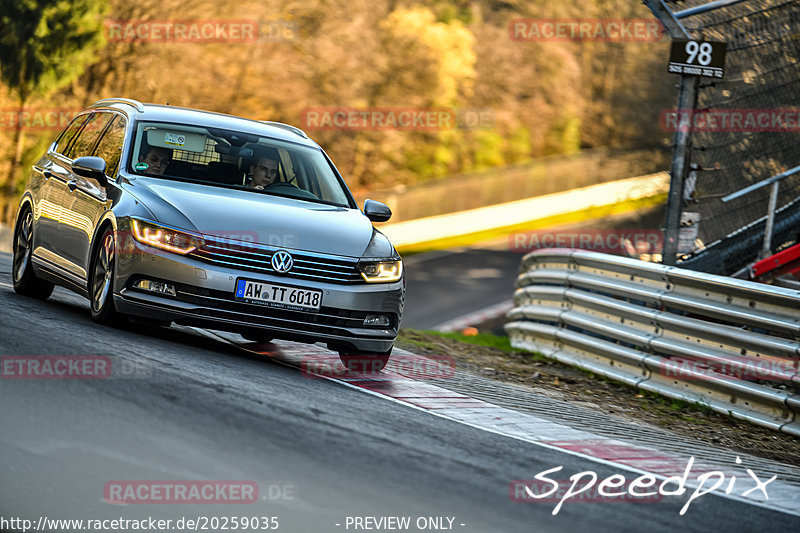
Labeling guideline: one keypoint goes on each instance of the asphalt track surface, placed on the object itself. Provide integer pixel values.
(445, 285)
(196, 409)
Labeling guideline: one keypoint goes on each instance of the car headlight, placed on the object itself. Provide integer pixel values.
(179, 242)
(381, 271)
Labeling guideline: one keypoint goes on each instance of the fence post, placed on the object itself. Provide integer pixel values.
(766, 249)
(687, 100)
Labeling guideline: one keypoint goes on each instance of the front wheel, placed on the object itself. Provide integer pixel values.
(102, 282)
(25, 280)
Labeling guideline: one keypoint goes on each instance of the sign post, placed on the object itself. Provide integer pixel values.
(687, 57)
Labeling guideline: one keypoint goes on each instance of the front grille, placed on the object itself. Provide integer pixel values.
(257, 258)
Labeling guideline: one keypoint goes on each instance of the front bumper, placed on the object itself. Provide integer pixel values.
(205, 297)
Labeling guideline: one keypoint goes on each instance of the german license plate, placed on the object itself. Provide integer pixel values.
(278, 295)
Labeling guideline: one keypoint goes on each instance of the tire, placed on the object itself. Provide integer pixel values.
(365, 362)
(101, 284)
(25, 280)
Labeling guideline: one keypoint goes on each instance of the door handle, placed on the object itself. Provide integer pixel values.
(72, 185)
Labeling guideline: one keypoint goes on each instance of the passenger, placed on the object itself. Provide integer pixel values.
(156, 158)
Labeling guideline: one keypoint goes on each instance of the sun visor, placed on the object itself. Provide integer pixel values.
(180, 140)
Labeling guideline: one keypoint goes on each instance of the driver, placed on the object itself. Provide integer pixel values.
(157, 159)
(264, 171)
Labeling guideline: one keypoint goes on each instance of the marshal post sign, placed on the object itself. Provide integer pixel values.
(697, 58)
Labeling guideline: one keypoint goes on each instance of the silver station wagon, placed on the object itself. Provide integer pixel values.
(198, 218)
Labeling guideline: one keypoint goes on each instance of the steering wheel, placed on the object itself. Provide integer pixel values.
(291, 190)
(280, 185)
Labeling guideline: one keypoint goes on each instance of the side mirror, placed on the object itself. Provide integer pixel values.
(91, 167)
(377, 211)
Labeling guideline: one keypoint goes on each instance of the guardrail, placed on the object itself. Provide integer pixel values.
(729, 344)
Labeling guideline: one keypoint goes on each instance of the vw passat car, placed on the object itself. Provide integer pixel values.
(185, 216)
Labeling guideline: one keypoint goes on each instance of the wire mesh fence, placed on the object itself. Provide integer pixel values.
(744, 129)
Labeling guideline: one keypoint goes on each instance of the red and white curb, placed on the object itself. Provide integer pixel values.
(396, 386)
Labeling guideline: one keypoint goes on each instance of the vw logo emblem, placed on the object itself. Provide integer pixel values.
(282, 261)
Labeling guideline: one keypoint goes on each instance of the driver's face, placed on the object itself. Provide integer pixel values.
(157, 160)
(264, 172)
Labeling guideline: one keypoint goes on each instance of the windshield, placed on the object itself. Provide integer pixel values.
(235, 160)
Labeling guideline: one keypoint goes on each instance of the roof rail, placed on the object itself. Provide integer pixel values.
(287, 127)
(135, 103)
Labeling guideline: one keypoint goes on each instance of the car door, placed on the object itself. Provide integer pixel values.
(90, 198)
(83, 198)
(48, 207)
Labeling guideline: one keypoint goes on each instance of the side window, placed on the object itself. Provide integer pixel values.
(69, 133)
(87, 138)
(110, 146)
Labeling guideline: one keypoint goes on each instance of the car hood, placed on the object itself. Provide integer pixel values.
(254, 217)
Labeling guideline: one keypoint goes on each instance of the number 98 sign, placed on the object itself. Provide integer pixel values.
(697, 58)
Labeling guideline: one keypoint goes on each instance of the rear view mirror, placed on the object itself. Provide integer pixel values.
(91, 167)
(377, 211)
